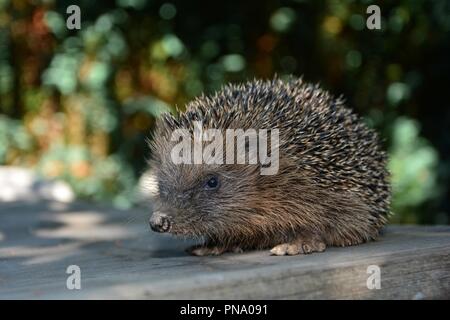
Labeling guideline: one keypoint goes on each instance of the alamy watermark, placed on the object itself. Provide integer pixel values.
(74, 20)
(374, 280)
(73, 281)
(374, 20)
(206, 146)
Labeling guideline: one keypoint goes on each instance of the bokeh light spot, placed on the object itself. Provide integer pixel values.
(167, 11)
(282, 19)
(233, 62)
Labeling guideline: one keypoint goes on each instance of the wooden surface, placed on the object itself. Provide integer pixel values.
(120, 258)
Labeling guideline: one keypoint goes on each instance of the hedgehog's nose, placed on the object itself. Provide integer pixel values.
(159, 222)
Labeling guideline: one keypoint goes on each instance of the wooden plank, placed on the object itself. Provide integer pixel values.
(120, 258)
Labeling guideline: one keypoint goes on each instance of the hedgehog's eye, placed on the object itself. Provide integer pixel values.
(212, 183)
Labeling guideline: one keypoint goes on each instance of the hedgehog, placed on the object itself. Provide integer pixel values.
(331, 187)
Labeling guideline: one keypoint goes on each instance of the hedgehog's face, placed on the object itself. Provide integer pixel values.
(200, 200)
(205, 199)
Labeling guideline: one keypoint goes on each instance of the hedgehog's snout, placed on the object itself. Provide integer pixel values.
(160, 222)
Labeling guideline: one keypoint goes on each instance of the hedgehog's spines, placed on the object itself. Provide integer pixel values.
(323, 139)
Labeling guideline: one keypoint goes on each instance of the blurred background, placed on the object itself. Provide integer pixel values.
(78, 105)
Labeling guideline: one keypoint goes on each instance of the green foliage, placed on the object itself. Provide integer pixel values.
(413, 164)
(108, 179)
(13, 139)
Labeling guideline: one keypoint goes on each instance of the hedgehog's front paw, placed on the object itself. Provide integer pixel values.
(298, 246)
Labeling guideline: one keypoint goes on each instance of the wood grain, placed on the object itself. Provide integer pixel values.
(120, 258)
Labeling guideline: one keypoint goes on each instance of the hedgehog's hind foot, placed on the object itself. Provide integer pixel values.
(299, 246)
